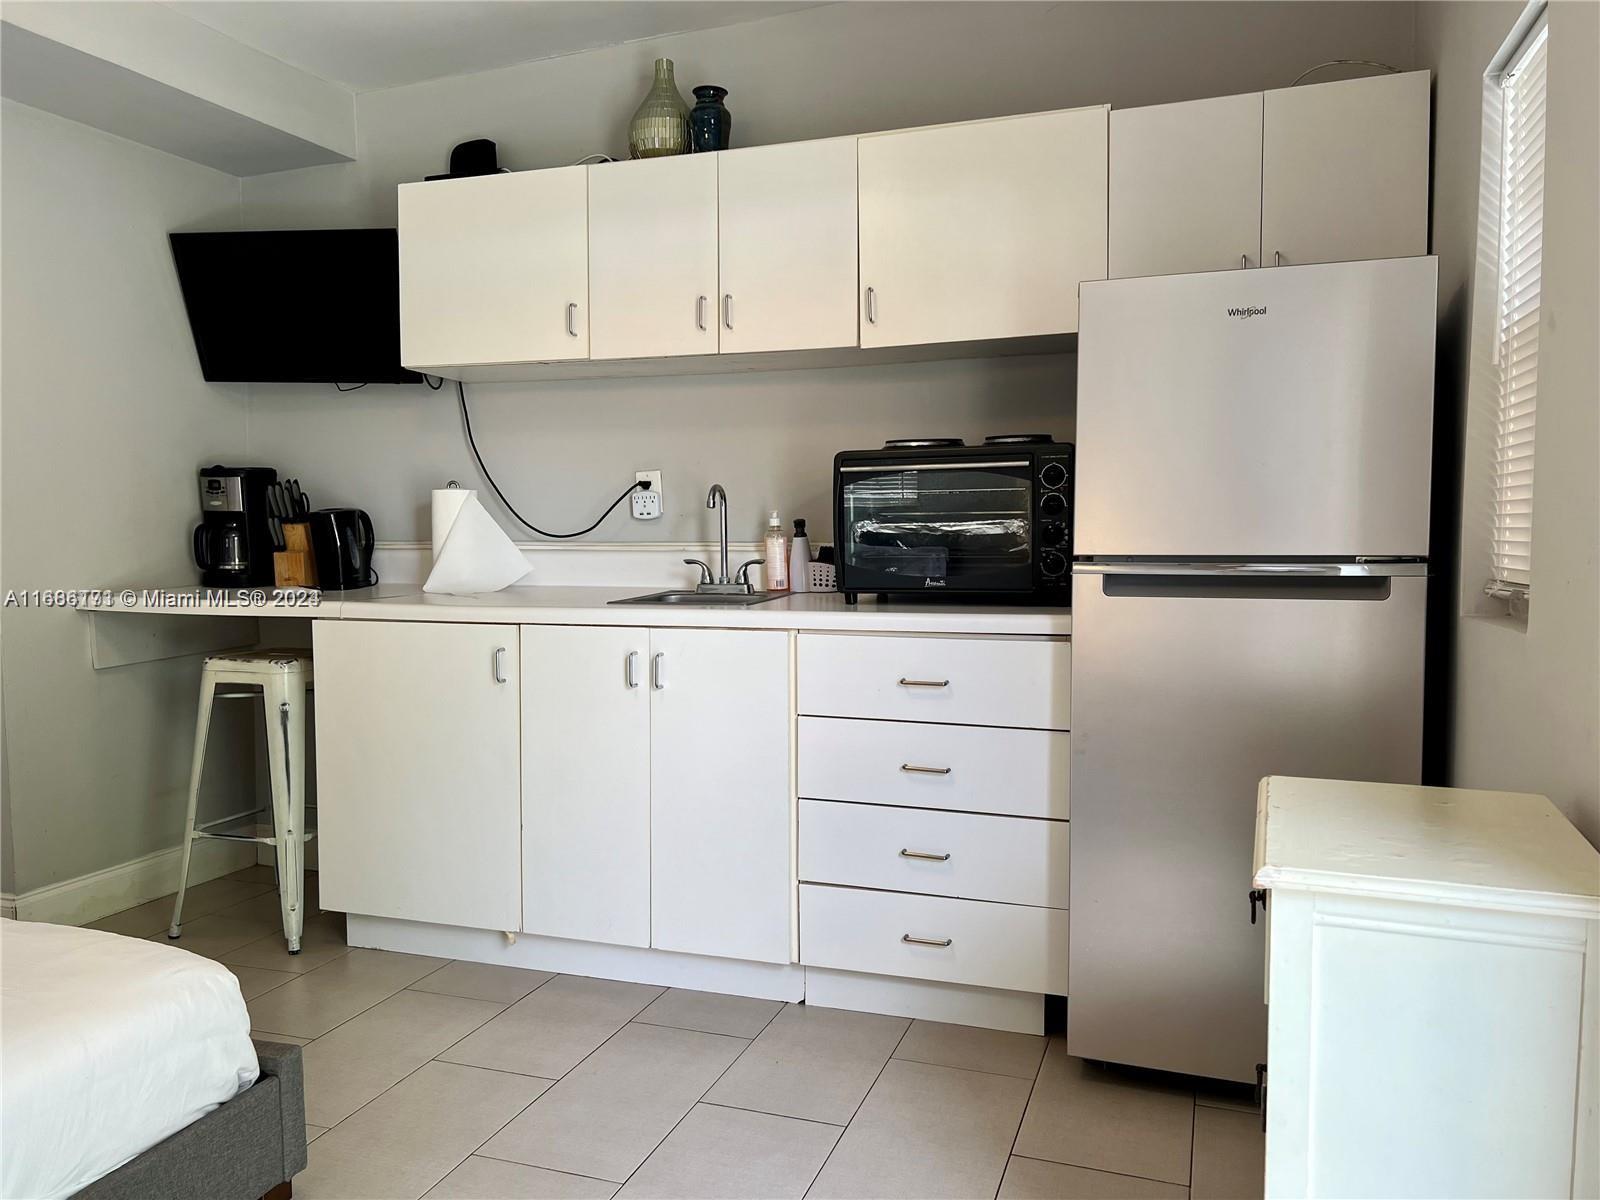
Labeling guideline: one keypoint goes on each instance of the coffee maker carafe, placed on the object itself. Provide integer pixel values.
(232, 544)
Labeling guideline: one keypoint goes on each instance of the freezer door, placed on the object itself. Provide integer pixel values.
(1284, 411)
(1186, 690)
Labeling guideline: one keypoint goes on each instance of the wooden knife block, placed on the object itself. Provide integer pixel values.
(295, 566)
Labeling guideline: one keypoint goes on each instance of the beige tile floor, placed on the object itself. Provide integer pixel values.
(426, 1077)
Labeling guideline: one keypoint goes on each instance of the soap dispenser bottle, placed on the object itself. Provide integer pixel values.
(777, 552)
(800, 558)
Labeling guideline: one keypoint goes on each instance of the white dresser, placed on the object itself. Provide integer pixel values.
(1433, 1005)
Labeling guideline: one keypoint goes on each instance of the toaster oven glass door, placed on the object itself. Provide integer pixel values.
(957, 526)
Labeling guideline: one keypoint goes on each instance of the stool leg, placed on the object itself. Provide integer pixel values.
(202, 727)
(286, 731)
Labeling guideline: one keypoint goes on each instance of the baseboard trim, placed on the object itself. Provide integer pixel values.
(101, 893)
(732, 976)
(954, 1003)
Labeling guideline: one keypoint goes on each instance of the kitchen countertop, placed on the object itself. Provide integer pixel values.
(589, 606)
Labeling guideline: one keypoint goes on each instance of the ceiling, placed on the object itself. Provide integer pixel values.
(366, 45)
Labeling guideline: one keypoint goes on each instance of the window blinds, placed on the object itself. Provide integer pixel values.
(1516, 353)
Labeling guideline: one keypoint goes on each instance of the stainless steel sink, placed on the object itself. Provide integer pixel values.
(694, 599)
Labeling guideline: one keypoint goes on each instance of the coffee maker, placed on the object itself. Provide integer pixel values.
(232, 543)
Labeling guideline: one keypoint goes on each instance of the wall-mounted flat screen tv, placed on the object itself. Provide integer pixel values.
(294, 306)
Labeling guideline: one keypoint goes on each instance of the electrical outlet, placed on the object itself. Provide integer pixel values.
(647, 502)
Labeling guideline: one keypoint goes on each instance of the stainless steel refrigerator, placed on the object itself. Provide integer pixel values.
(1252, 529)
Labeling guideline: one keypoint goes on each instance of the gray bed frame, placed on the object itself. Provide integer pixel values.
(250, 1148)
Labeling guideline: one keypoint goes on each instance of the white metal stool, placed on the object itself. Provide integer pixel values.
(283, 677)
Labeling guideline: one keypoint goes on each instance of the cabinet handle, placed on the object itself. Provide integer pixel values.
(572, 319)
(727, 310)
(500, 664)
(872, 306)
(700, 313)
(1244, 261)
(1257, 896)
(913, 769)
(904, 682)
(910, 940)
(630, 669)
(1277, 258)
(655, 671)
(923, 854)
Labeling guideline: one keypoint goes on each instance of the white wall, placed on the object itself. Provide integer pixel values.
(1526, 698)
(564, 450)
(105, 419)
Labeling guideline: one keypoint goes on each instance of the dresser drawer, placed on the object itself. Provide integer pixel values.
(971, 768)
(986, 945)
(1018, 682)
(1008, 859)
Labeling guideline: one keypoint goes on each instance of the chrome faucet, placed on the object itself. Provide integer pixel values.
(718, 499)
(739, 583)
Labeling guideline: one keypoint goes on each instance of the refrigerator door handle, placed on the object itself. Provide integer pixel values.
(1360, 569)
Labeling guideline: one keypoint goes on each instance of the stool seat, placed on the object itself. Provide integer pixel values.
(255, 663)
(284, 678)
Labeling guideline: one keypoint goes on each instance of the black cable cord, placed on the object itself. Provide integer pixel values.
(355, 387)
(466, 421)
(432, 386)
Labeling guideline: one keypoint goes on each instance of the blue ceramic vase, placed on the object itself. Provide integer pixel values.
(710, 124)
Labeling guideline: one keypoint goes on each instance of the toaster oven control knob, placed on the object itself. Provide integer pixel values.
(1053, 475)
(1052, 533)
(1052, 504)
(1053, 564)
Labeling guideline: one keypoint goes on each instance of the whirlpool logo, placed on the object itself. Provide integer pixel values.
(1248, 311)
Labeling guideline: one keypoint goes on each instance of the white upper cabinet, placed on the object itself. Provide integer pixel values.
(586, 783)
(787, 217)
(981, 230)
(1186, 187)
(720, 794)
(418, 779)
(653, 257)
(1345, 170)
(495, 269)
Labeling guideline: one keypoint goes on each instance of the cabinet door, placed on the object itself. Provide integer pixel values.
(417, 771)
(586, 784)
(720, 800)
(981, 230)
(653, 257)
(1344, 170)
(495, 269)
(787, 230)
(1186, 187)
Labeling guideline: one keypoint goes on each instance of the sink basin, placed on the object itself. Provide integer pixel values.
(702, 599)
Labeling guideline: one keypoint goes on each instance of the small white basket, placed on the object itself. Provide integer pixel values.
(824, 578)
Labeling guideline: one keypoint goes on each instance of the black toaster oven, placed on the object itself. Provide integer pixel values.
(938, 517)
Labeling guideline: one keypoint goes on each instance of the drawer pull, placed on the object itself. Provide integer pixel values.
(904, 682)
(905, 853)
(913, 769)
(937, 943)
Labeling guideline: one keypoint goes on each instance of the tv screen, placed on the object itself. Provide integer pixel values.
(294, 306)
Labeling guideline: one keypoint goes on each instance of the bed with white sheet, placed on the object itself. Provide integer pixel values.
(109, 1045)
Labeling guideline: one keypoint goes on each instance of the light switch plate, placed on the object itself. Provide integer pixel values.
(647, 504)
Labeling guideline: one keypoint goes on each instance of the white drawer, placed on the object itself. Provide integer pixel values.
(970, 768)
(1009, 859)
(988, 945)
(1020, 682)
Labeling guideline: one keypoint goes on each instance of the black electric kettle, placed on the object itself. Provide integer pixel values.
(342, 541)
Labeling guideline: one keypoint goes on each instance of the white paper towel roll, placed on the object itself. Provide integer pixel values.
(447, 504)
(477, 556)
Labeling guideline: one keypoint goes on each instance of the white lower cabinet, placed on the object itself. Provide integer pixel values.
(656, 800)
(720, 813)
(417, 771)
(586, 783)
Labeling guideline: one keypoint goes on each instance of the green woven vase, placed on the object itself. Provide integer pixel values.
(660, 126)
